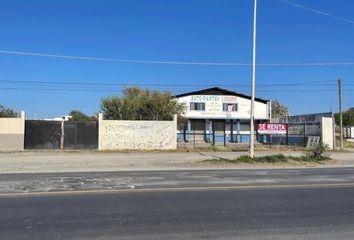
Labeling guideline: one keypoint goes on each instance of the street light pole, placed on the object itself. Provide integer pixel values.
(253, 79)
(340, 114)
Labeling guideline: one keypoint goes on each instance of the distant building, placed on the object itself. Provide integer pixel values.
(65, 118)
(222, 111)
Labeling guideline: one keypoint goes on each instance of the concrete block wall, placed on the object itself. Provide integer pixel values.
(137, 135)
(12, 133)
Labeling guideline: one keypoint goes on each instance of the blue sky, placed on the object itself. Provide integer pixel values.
(166, 30)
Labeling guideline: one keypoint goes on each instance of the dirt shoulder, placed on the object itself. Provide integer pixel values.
(89, 161)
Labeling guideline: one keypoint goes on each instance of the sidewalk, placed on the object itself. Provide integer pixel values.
(89, 161)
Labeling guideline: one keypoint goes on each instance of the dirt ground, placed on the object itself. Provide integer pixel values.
(88, 161)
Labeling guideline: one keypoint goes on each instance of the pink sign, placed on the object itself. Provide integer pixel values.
(272, 128)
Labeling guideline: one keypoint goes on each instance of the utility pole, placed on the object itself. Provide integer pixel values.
(253, 82)
(340, 113)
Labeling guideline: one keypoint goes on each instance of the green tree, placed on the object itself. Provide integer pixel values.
(348, 117)
(78, 116)
(279, 110)
(141, 104)
(7, 112)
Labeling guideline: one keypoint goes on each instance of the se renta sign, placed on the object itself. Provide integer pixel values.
(272, 128)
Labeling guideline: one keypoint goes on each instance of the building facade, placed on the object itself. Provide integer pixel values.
(219, 113)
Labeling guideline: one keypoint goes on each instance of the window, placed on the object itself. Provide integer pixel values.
(197, 106)
(226, 106)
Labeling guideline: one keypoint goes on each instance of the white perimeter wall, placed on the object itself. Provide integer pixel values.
(137, 135)
(12, 133)
(327, 132)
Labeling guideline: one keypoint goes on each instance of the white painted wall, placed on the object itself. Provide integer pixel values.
(214, 107)
(137, 135)
(12, 132)
(327, 132)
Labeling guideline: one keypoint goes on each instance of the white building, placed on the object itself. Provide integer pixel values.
(216, 112)
(59, 119)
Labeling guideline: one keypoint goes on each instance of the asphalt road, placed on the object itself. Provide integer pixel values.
(284, 213)
(53, 182)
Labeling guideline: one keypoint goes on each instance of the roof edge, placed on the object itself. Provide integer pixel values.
(221, 91)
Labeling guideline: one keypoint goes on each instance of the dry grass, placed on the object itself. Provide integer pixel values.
(278, 158)
(239, 147)
(347, 144)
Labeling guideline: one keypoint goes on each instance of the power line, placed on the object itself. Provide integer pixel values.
(119, 90)
(114, 84)
(121, 60)
(318, 11)
(59, 89)
(310, 83)
(307, 64)
(307, 83)
(306, 90)
(298, 64)
(95, 86)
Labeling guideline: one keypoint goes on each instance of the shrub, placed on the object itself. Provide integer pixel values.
(318, 153)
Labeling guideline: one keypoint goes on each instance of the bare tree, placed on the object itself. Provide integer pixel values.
(279, 110)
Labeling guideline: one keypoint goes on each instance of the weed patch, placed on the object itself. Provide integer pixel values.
(278, 158)
(263, 159)
(247, 159)
(219, 161)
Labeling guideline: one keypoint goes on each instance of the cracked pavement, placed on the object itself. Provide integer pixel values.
(56, 182)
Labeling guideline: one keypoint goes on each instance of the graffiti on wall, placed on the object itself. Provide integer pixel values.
(137, 135)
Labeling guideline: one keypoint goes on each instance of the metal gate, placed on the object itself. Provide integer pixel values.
(81, 135)
(42, 134)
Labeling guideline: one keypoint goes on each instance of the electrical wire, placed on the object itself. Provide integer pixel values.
(59, 89)
(308, 83)
(121, 60)
(113, 90)
(298, 64)
(318, 11)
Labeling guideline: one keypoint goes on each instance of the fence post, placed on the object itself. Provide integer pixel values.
(258, 136)
(62, 134)
(205, 130)
(270, 140)
(225, 133)
(305, 135)
(23, 132)
(238, 130)
(232, 131)
(189, 129)
(213, 126)
(100, 121)
(76, 133)
(287, 136)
